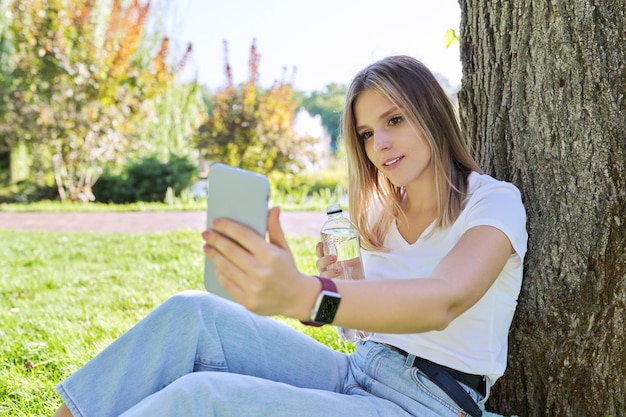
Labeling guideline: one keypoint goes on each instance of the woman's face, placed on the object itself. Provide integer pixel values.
(392, 144)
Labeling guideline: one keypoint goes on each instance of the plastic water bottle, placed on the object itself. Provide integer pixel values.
(341, 238)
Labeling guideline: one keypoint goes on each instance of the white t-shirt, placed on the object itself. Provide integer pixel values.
(476, 341)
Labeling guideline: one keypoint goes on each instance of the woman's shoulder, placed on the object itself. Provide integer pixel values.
(478, 182)
(491, 201)
(481, 186)
(496, 203)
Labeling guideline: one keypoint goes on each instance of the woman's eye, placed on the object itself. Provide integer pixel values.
(365, 135)
(395, 120)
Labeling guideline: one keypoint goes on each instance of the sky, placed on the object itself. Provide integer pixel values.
(327, 41)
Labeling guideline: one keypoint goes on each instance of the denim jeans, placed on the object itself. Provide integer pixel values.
(200, 355)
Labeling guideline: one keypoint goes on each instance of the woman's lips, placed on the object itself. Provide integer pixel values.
(392, 162)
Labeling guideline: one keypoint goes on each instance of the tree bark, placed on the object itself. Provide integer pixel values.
(543, 104)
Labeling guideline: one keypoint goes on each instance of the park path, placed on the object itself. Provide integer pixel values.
(305, 223)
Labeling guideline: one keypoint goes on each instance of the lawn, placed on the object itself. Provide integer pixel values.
(66, 296)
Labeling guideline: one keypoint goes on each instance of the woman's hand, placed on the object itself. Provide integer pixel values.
(326, 265)
(260, 275)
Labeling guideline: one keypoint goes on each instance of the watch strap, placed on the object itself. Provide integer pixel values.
(327, 285)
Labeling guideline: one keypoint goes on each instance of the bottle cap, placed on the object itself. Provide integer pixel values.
(333, 209)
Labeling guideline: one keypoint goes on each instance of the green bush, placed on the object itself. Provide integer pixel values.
(146, 180)
(112, 188)
(27, 191)
(313, 183)
(322, 187)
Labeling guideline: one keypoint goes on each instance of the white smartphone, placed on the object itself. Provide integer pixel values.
(239, 195)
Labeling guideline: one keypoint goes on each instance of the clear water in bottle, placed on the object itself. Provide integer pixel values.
(341, 238)
(344, 243)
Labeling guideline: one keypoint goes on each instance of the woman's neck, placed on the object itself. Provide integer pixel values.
(418, 215)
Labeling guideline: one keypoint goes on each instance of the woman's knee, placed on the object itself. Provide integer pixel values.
(185, 304)
(187, 296)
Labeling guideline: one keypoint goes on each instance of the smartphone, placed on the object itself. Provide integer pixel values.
(239, 195)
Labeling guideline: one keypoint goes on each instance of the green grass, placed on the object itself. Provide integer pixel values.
(310, 204)
(57, 206)
(66, 296)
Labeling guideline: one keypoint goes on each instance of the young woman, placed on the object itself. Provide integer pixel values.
(443, 248)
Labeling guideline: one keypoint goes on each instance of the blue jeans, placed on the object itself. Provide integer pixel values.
(199, 355)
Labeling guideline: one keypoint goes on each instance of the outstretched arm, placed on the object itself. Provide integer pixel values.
(417, 305)
(263, 277)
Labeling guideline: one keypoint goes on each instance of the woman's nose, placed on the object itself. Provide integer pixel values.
(381, 140)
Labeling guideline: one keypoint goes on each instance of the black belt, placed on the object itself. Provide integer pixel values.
(446, 379)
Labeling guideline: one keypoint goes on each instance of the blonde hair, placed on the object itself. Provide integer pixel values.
(410, 86)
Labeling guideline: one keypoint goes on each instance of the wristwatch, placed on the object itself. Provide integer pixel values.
(326, 305)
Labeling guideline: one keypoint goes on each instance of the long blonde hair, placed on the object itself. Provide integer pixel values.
(410, 86)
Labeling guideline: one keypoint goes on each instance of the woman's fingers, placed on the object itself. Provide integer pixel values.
(222, 250)
(275, 230)
(259, 274)
(327, 266)
(319, 249)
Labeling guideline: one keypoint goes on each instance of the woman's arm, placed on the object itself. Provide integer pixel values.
(417, 305)
(264, 278)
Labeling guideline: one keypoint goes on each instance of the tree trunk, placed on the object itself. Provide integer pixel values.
(543, 104)
(5, 167)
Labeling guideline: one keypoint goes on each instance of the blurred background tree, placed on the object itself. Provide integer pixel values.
(252, 128)
(329, 105)
(80, 78)
(92, 86)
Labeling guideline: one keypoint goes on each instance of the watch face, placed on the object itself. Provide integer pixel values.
(327, 308)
